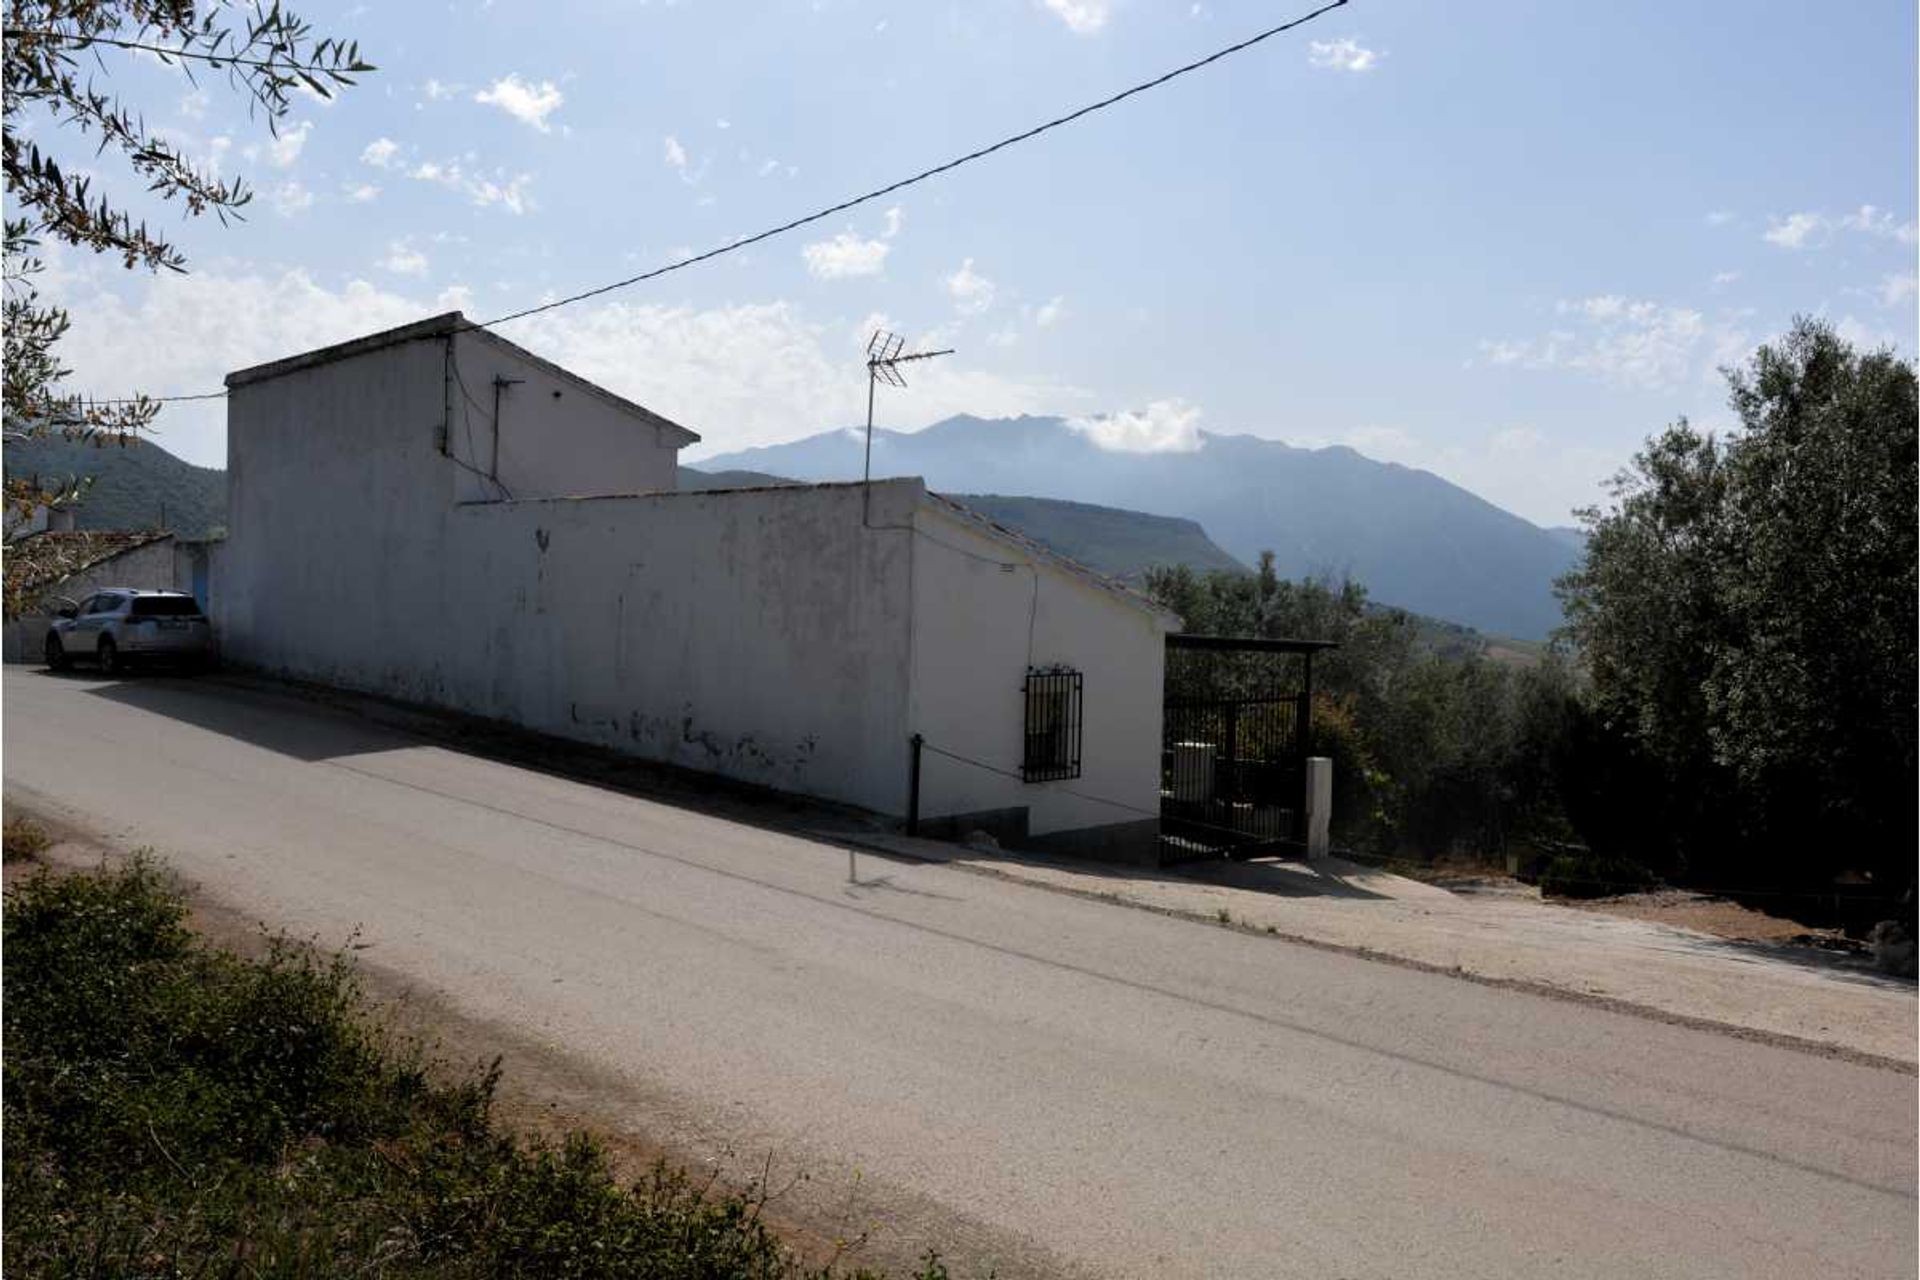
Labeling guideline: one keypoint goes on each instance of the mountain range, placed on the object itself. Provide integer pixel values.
(1414, 540)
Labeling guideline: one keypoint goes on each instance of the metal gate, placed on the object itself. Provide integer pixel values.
(1238, 719)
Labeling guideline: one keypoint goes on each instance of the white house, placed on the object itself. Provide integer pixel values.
(436, 515)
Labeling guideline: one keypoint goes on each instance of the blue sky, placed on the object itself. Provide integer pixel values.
(1502, 241)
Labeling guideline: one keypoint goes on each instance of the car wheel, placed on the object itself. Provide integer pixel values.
(109, 656)
(56, 654)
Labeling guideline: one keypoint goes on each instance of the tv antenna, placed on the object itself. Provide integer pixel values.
(884, 358)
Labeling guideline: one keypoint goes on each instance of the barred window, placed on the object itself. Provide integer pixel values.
(1053, 724)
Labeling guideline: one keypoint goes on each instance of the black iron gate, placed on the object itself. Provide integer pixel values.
(1238, 718)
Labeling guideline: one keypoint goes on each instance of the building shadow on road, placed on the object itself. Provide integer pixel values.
(315, 724)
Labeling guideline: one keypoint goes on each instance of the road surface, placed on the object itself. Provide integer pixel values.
(1049, 1083)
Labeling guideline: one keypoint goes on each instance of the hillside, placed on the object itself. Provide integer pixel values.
(138, 485)
(1121, 544)
(1415, 540)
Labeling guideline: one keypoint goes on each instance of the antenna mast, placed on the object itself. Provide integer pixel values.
(884, 359)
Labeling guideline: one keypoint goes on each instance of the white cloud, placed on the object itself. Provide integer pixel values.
(675, 153)
(742, 375)
(290, 199)
(194, 105)
(526, 102)
(404, 260)
(845, 255)
(1627, 342)
(1164, 426)
(284, 150)
(893, 216)
(362, 193)
(1050, 312)
(1719, 217)
(1795, 230)
(509, 193)
(1342, 55)
(972, 293)
(1083, 17)
(381, 153)
(769, 167)
(439, 90)
(1863, 335)
(1878, 222)
(1722, 279)
(1897, 288)
(1812, 230)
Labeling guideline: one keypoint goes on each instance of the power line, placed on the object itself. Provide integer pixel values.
(866, 198)
(925, 174)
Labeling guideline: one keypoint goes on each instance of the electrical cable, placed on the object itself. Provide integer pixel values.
(875, 194)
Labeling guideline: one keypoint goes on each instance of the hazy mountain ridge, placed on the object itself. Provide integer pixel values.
(1415, 540)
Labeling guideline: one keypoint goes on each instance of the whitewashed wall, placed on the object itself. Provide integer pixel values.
(557, 437)
(984, 611)
(772, 636)
(759, 635)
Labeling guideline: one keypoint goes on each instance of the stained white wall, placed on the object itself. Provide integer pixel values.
(337, 497)
(984, 611)
(790, 637)
(759, 635)
(557, 437)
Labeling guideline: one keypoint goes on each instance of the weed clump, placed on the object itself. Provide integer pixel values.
(173, 1109)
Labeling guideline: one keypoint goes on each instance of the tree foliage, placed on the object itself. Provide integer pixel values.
(55, 72)
(1747, 615)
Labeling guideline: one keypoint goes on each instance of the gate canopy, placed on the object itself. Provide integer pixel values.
(1238, 720)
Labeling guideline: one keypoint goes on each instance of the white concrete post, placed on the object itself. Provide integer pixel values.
(1319, 805)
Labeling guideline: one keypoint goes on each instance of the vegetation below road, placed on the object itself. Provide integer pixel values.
(172, 1109)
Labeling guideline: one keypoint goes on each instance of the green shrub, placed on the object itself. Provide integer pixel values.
(1590, 875)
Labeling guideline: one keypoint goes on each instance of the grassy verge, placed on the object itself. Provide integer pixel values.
(174, 1110)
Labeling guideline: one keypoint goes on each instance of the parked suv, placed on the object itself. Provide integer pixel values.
(123, 626)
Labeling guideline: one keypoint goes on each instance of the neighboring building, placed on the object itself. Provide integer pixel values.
(436, 515)
(56, 564)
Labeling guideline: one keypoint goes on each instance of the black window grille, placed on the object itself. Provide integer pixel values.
(1053, 725)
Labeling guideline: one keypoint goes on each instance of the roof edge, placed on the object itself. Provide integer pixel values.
(447, 324)
(432, 327)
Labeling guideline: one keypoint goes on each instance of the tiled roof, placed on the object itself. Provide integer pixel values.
(43, 560)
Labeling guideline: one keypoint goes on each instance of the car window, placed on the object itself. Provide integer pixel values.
(106, 602)
(164, 607)
(89, 604)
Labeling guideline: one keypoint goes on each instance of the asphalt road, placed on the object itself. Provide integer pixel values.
(1057, 1082)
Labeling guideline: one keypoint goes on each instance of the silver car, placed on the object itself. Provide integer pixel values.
(122, 626)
